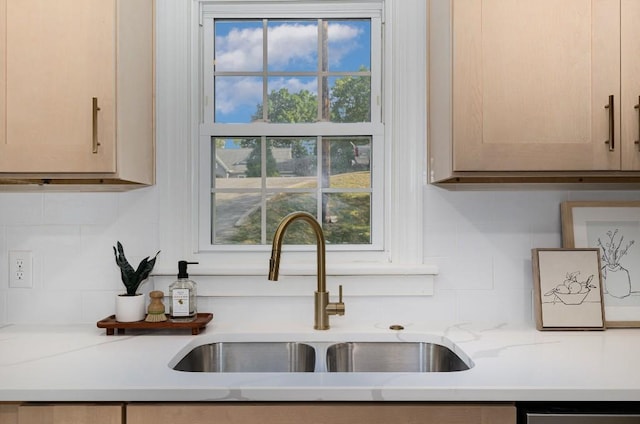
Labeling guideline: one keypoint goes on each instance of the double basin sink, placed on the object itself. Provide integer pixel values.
(284, 357)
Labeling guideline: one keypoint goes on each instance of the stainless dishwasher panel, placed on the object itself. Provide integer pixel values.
(541, 418)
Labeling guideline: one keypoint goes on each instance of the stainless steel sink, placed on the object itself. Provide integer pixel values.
(249, 357)
(392, 357)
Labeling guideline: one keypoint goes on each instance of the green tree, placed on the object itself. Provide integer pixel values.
(220, 142)
(283, 107)
(350, 102)
(254, 164)
(289, 108)
(351, 99)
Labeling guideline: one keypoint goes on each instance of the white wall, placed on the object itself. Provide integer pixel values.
(480, 240)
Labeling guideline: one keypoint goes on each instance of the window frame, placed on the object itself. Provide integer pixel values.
(208, 129)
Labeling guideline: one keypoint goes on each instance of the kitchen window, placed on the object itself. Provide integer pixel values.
(292, 119)
(186, 134)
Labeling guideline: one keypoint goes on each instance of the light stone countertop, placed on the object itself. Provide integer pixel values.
(82, 363)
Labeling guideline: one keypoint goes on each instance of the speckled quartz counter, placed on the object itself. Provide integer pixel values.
(82, 363)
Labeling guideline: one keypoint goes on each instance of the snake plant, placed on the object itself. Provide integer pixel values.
(133, 278)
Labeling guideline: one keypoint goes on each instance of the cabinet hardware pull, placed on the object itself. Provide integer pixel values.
(611, 140)
(637, 142)
(95, 110)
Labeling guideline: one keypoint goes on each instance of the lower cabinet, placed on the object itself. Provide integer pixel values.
(321, 413)
(62, 414)
(262, 413)
(8, 413)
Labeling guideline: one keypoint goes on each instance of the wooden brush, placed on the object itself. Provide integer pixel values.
(155, 311)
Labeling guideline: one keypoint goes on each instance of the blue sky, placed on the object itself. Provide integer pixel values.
(292, 47)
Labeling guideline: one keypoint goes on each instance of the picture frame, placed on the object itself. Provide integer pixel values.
(567, 289)
(614, 229)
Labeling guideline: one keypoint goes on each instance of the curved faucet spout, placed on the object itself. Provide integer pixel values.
(324, 308)
(278, 237)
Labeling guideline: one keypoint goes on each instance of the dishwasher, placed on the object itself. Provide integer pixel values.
(579, 413)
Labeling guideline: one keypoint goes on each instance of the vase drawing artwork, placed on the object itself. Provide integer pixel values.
(616, 278)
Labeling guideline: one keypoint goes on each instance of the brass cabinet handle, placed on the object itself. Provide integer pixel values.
(95, 110)
(637, 142)
(611, 140)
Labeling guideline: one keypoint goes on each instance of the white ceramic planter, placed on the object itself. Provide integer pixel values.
(130, 308)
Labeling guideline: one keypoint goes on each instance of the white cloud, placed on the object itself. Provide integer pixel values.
(240, 50)
(343, 39)
(294, 85)
(237, 92)
(292, 43)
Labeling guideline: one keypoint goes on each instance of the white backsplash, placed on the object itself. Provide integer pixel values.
(480, 241)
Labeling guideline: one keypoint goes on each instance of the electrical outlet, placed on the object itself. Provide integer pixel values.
(20, 264)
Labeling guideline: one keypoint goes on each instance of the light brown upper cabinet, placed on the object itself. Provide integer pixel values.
(539, 90)
(79, 91)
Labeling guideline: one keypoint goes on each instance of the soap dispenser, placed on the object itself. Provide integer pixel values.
(183, 296)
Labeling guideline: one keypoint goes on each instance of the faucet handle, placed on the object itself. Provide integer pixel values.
(336, 308)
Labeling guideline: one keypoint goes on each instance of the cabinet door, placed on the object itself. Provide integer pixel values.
(70, 414)
(3, 77)
(321, 413)
(59, 56)
(630, 95)
(8, 413)
(530, 83)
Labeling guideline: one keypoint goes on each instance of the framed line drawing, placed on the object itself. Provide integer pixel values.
(567, 289)
(614, 229)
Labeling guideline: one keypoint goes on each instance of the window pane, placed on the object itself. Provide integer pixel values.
(350, 98)
(292, 100)
(236, 218)
(347, 218)
(236, 99)
(292, 46)
(280, 205)
(295, 162)
(238, 163)
(238, 45)
(349, 45)
(346, 162)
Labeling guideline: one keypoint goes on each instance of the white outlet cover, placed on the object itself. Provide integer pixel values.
(20, 269)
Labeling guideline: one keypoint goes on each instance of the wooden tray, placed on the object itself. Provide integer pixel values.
(195, 326)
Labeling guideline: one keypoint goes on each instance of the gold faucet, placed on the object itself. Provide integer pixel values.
(323, 308)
